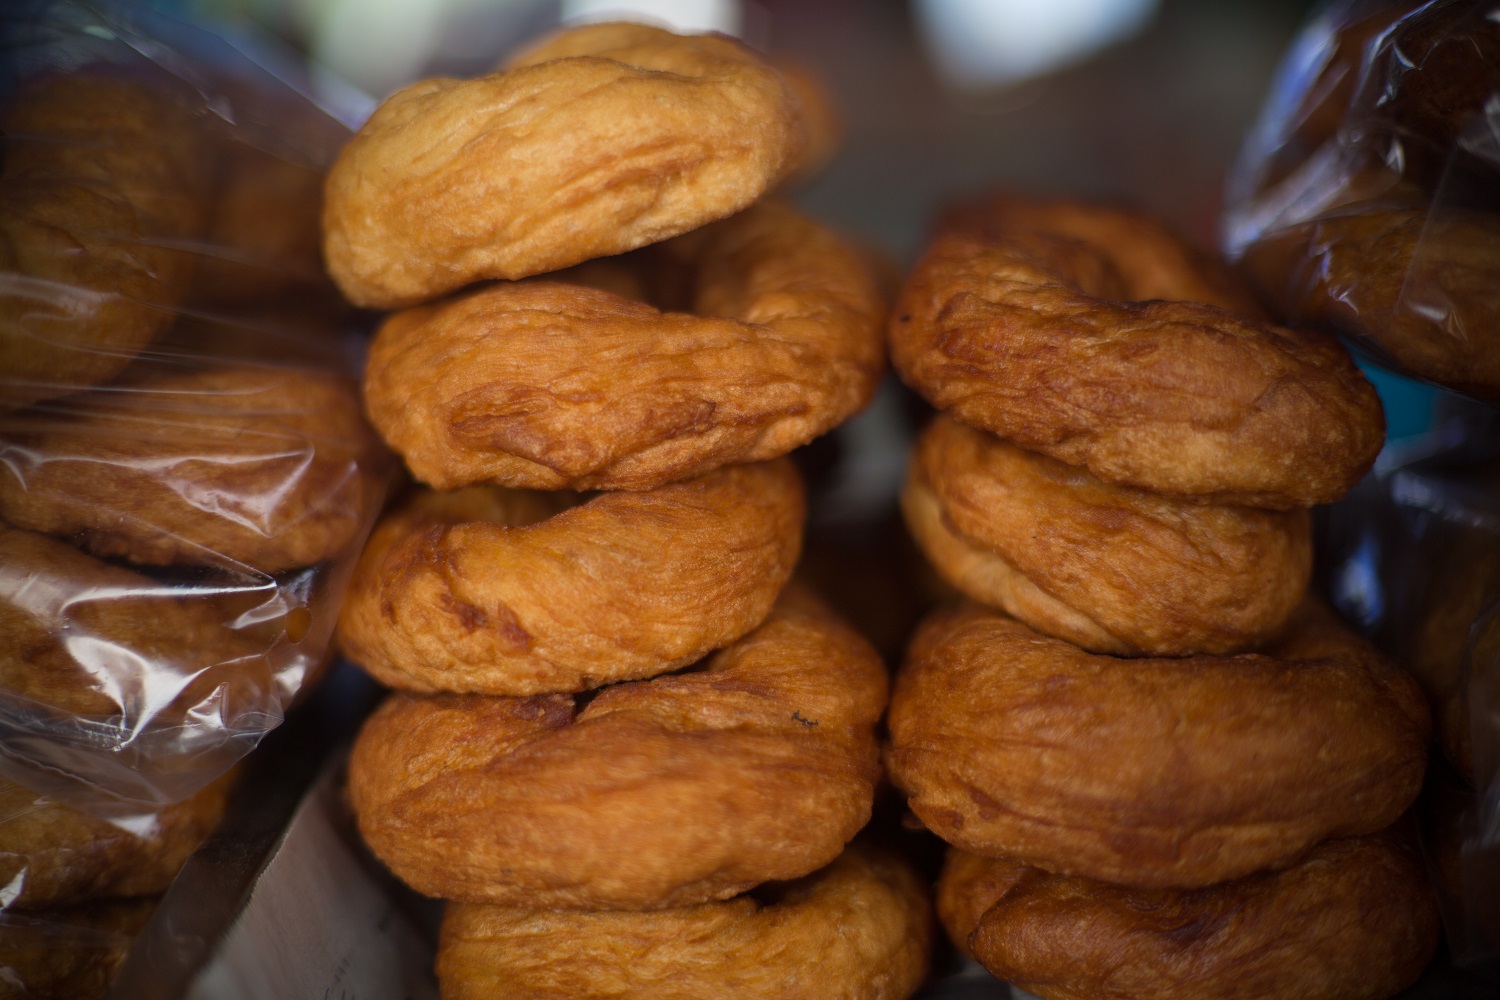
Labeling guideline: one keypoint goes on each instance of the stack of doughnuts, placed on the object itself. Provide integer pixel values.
(628, 753)
(1163, 768)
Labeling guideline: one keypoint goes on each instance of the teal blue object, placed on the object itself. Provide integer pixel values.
(1409, 405)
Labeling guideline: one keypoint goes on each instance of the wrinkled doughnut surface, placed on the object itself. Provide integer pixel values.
(686, 788)
(860, 929)
(605, 138)
(1095, 337)
(548, 385)
(1110, 568)
(1356, 919)
(1152, 772)
(512, 592)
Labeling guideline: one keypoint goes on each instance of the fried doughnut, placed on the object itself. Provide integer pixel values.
(505, 592)
(256, 467)
(51, 855)
(547, 385)
(100, 174)
(759, 766)
(1417, 284)
(263, 242)
(604, 138)
(1110, 568)
(863, 923)
(1095, 337)
(1152, 772)
(1356, 919)
(81, 637)
(71, 954)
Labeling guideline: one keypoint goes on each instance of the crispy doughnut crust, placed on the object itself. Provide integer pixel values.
(759, 766)
(1419, 285)
(549, 385)
(1110, 568)
(507, 592)
(864, 923)
(1094, 336)
(51, 855)
(257, 467)
(83, 637)
(100, 172)
(1152, 772)
(604, 138)
(1356, 919)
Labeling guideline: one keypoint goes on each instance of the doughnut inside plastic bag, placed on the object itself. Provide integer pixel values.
(185, 472)
(1367, 197)
(1413, 556)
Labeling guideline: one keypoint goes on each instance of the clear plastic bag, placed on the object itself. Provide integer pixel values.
(185, 474)
(1367, 197)
(1414, 557)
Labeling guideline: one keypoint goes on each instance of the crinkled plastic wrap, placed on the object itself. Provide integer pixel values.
(185, 474)
(1367, 198)
(1414, 557)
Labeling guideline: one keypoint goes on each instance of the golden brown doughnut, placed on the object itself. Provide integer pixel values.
(100, 174)
(1417, 284)
(758, 766)
(859, 929)
(1151, 772)
(52, 855)
(70, 954)
(1095, 337)
(601, 139)
(84, 638)
(255, 468)
(507, 592)
(548, 385)
(1110, 568)
(263, 244)
(1356, 919)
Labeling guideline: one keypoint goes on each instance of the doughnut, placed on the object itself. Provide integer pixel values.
(1095, 337)
(601, 139)
(1151, 772)
(859, 929)
(71, 954)
(245, 467)
(1433, 78)
(1416, 284)
(262, 243)
(1356, 919)
(82, 637)
(1110, 568)
(759, 765)
(550, 385)
(51, 855)
(100, 174)
(510, 592)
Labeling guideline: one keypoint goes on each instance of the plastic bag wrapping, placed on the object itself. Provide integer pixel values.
(1367, 197)
(185, 474)
(1413, 556)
